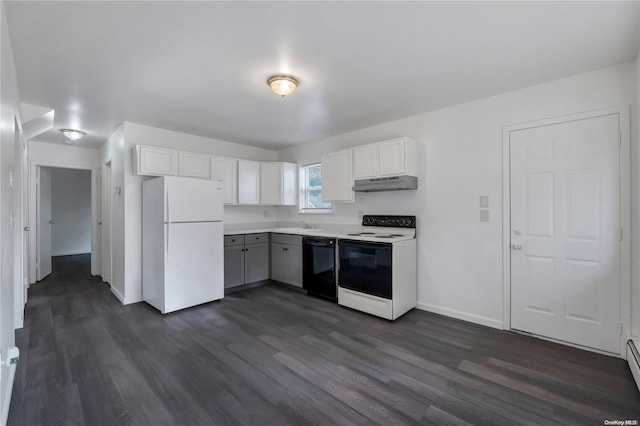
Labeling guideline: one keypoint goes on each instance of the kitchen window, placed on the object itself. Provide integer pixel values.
(311, 190)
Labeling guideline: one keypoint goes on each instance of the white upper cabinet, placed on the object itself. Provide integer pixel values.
(248, 182)
(337, 178)
(365, 161)
(278, 183)
(226, 170)
(153, 161)
(394, 157)
(398, 157)
(194, 165)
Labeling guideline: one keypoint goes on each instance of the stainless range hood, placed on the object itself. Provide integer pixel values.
(395, 183)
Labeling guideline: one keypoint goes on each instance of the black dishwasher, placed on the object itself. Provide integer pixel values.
(319, 267)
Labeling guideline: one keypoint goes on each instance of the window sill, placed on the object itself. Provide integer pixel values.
(315, 211)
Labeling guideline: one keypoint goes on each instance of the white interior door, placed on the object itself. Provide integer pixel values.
(106, 223)
(565, 224)
(26, 226)
(44, 223)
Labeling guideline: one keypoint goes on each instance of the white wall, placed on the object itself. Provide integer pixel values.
(127, 207)
(9, 113)
(71, 209)
(113, 150)
(635, 213)
(62, 155)
(460, 258)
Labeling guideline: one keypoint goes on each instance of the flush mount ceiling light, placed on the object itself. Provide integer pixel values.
(72, 134)
(282, 85)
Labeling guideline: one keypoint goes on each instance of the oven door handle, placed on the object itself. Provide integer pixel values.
(365, 245)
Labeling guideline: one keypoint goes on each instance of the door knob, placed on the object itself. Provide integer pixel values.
(517, 232)
(99, 223)
(516, 247)
(26, 228)
(53, 222)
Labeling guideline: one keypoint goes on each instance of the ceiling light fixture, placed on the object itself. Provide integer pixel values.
(72, 134)
(282, 85)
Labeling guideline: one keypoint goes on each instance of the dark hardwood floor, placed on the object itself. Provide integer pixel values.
(273, 356)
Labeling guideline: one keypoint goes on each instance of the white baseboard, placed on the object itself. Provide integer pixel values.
(124, 300)
(633, 358)
(477, 319)
(8, 391)
(133, 300)
(117, 294)
(70, 253)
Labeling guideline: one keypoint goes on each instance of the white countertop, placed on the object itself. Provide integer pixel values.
(314, 232)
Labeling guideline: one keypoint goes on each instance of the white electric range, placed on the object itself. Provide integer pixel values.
(377, 266)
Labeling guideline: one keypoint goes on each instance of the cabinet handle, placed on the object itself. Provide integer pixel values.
(246, 249)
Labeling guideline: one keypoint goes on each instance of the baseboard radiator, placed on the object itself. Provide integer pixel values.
(633, 358)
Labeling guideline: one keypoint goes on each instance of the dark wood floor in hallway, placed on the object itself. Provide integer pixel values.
(274, 356)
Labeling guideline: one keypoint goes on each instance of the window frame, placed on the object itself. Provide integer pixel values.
(304, 190)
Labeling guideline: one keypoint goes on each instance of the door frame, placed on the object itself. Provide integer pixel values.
(106, 207)
(623, 113)
(33, 194)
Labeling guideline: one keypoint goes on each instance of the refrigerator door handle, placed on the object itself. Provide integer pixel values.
(168, 222)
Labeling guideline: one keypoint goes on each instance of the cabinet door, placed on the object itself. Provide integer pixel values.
(194, 165)
(391, 161)
(271, 179)
(294, 265)
(365, 161)
(337, 180)
(156, 161)
(233, 266)
(290, 184)
(279, 262)
(256, 262)
(248, 182)
(226, 170)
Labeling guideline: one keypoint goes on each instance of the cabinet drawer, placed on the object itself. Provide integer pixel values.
(233, 240)
(286, 239)
(256, 238)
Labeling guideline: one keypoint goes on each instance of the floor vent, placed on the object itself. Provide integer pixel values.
(633, 358)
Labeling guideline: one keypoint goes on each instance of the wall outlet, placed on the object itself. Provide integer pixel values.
(289, 213)
(484, 201)
(484, 215)
(265, 213)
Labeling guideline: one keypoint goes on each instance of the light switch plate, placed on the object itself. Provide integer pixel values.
(484, 215)
(484, 201)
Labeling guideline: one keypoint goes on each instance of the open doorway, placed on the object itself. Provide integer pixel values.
(64, 219)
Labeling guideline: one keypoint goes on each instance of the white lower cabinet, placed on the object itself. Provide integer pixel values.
(246, 259)
(286, 259)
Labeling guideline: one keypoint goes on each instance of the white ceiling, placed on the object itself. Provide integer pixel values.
(201, 67)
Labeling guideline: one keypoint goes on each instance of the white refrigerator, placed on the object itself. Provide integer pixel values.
(182, 242)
